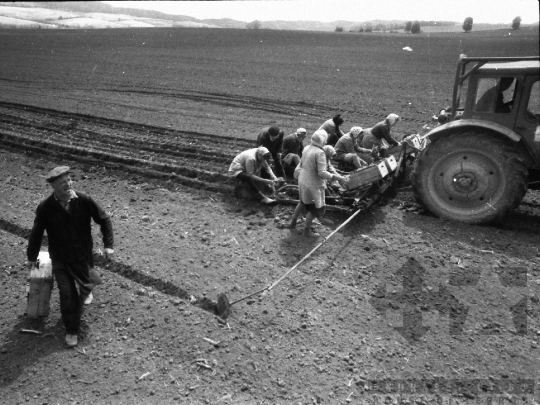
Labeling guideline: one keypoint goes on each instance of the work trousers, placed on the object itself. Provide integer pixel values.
(256, 184)
(68, 276)
(371, 140)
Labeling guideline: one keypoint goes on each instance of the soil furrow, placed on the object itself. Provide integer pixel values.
(35, 113)
(186, 176)
(140, 137)
(205, 160)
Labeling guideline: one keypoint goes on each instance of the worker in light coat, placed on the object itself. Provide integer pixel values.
(312, 182)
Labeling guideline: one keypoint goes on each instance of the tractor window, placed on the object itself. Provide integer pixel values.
(495, 95)
(533, 108)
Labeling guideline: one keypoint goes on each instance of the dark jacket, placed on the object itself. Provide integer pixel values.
(69, 233)
(333, 131)
(381, 130)
(291, 144)
(274, 147)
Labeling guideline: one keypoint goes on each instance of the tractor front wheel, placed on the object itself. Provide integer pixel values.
(472, 177)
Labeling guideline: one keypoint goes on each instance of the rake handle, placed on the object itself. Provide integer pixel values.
(249, 296)
(270, 286)
(313, 250)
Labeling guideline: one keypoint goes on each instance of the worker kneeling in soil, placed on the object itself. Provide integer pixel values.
(312, 182)
(292, 151)
(247, 167)
(347, 148)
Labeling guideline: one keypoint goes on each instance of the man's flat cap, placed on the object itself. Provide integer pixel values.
(57, 172)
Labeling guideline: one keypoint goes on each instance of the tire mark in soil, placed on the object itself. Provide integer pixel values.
(4, 79)
(124, 270)
(185, 176)
(200, 166)
(256, 103)
(89, 139)
(50, 118)
(227, 100)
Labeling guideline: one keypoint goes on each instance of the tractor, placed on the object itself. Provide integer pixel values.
(485, 152)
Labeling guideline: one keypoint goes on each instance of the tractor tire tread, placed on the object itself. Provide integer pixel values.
(502, 151)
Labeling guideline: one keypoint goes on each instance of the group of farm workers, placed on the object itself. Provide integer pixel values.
(310, 165)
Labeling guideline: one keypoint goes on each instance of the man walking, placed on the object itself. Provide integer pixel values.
(66, 216)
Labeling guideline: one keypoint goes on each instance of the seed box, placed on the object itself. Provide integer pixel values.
(366, 175)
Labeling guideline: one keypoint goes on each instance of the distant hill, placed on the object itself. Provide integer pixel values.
(97, 7)
(95, 15)
(87, 15)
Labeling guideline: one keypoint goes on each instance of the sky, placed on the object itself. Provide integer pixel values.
(482, 11)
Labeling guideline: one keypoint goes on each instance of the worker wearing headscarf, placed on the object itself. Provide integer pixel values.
(347, 148)
(247, 167)
(380, 133)
(329, 152)
(312, 182)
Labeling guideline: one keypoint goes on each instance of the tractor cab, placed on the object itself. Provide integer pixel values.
(503, 91)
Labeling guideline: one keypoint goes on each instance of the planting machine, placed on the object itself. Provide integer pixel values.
(365, 186)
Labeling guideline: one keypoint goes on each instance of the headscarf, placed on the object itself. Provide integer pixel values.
(329, 151)
(261, 151)
(392, 119)
(356, 131)
(301, 134)
(319, 138)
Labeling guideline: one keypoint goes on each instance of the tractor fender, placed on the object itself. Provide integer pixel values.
(467, 124)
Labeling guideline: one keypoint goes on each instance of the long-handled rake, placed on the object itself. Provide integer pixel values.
(223, 304)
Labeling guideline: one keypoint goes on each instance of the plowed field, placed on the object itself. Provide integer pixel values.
(150, 121)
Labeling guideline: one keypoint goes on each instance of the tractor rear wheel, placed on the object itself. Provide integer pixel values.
(472, 177)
